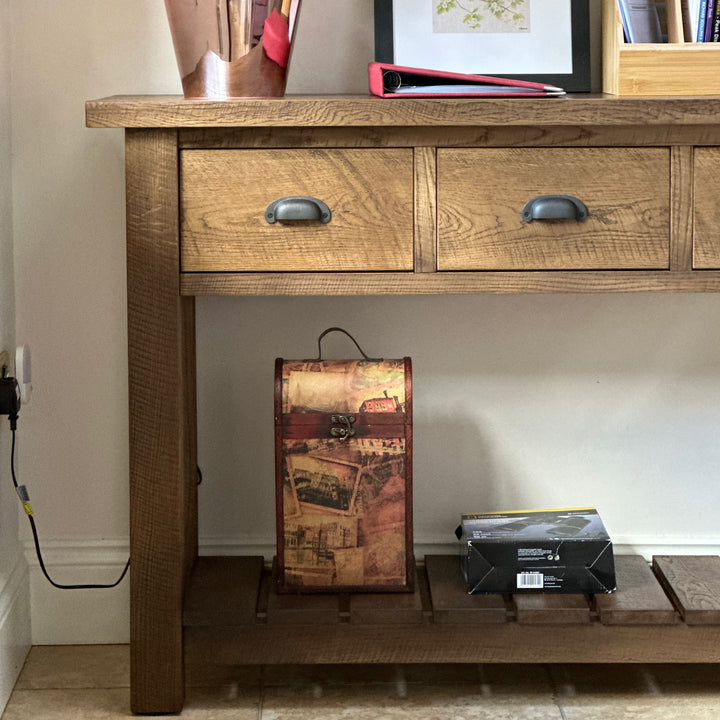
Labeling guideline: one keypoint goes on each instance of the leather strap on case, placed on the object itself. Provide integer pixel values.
(339, 329)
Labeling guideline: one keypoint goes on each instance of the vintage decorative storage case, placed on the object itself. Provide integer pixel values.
(343, 447)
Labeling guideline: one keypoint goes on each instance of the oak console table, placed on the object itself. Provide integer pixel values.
(426, 196)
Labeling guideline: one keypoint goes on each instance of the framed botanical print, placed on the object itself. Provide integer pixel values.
(539, 40)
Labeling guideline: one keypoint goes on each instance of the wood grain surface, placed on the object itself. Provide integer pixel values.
(549, 628)
(551, 609)
(693, 584)
(706, 238)
(363, 111)
(225, 194)
(220, 593)
(163, 505)
(451, 602)
(611, 281)
(639, 599)
(482, 192)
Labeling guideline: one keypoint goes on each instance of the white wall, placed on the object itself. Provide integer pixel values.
(520, 400)
(14, 585)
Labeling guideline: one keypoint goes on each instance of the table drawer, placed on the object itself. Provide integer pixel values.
(482, 192)
(224, 195)
(706, 200)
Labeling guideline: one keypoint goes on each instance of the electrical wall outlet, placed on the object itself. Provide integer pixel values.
(23, 371)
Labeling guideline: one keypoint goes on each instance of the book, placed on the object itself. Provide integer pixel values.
(700, 35)
(690, 14)
(388, 80)
(709, 20)
(640, 21)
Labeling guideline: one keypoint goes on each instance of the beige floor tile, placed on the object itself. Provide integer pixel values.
(499, 679)
(298, 675)
(90, 704)
(209, 675)
(530, 679)
(403, 700)
(110, 704)
(294, 675)
(701, 678)
(76, 666)
(599, 679)
(574, 680)
(634, 707)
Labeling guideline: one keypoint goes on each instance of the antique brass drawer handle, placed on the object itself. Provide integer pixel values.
(289, 209)
(555, 207)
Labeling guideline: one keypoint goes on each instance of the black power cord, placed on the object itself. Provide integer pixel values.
(25, 500)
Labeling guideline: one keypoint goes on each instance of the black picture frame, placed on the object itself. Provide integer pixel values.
(576, 81)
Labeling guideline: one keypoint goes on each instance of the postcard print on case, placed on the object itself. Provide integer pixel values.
(344, 474)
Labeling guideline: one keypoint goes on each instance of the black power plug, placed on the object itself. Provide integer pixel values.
(9, 397)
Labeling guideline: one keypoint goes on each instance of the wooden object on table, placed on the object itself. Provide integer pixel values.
(451, 602)
(640, 600)
(669, 69)
(161, 133)
(551, 608)
(693, 584)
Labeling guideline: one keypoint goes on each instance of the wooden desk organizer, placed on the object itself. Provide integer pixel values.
(673, 68)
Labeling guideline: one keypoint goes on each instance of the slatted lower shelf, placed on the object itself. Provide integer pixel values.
(669, 612)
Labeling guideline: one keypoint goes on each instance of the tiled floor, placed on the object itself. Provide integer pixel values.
(91, 682)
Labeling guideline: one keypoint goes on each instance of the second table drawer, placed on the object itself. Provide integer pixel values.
(482, 192)
(224, 195)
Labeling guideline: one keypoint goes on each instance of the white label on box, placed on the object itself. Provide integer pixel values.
(533, 581)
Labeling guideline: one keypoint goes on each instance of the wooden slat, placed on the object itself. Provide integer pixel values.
(681, 208)
(693, 584)
(295, 609)
(425, 209)
(639, 599)
(387, 608)
(161, 436)
(706, 166)
(610, 281)
(551, 609)
(364, 111)
(507, 642)
(450, 600)
(502, 136)
(223, 591)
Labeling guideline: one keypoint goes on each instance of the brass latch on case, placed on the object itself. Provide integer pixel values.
(346, 429)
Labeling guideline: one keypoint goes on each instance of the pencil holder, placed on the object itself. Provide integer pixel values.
(232, 48)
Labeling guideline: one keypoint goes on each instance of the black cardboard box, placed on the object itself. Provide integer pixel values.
(562, 551)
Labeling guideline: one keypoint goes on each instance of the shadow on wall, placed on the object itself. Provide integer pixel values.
(459, 471)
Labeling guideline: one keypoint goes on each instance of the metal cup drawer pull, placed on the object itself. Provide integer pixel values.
(555, 207)
(297, 207)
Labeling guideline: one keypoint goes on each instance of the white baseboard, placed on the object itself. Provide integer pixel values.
(70, 617)
(61, 617)
(14, 627)
(623, 545)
